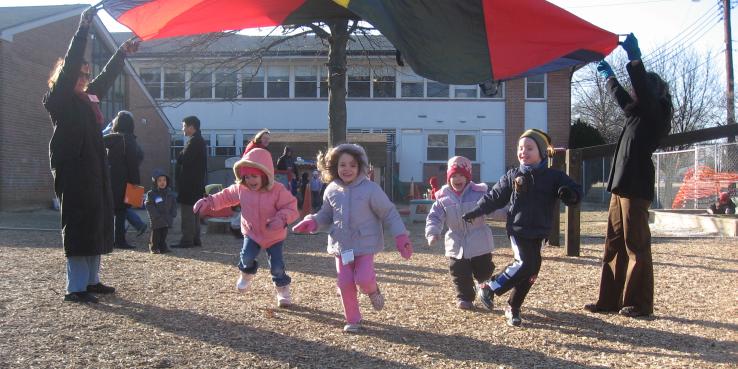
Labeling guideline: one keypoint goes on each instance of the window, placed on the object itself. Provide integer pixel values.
(466, 145)
(384, 82)
(253, 83)
(465, 92)
(437, 147)
(358, 81)
(201, 84)
(535, 87)
(177, 145)
(278, 81)
(225, 145)
(151, 78)
(323, 82)
(412, 84)
(225, 84)
(174, 84)
(306, 78)
(500, 94)
(437, 89)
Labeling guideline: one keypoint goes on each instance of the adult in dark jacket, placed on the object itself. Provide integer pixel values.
(78, 164)
(124, 157)
(190, 173)
(626, 284)
(287, 162)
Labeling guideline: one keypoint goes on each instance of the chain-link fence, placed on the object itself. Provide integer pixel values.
(689, 179)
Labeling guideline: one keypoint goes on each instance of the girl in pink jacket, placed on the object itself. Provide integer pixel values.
(355, 208)
(266, 209)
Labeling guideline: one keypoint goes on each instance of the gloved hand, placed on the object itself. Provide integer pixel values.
(275, 223)
(604, 70)
(305, 226)
(474, 213)
(130, 46)
(631, 47)
(432, 239)
(402, 242)
(202, 205)
(567, 195)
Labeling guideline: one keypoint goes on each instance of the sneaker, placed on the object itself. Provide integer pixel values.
(100, 288)
(154, 251)
(80, 297)
(377, 299)
(486, 296)
(632, 312)
(464, 305)
(142, 230)
(513, 317)
(244, 282)
(352, 327)
(284, 297)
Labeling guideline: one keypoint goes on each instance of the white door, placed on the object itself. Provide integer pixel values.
(492, 159)
(411, 156)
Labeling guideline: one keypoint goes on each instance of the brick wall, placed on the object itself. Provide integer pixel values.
(514, 118)
(559, 107)
(25, 128)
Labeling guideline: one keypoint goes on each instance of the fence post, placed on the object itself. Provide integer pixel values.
(554, 239)
(571, 236)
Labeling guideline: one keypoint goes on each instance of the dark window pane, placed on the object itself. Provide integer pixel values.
(470, 153)
(436, 89)
(174, 86)
(225, 85)
(438, 153)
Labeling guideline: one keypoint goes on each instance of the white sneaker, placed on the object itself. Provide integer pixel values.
(244, 282)
(284, 298)
(377, 299)
(352, 328)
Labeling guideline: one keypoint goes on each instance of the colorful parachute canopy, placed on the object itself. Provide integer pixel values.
(450, 41)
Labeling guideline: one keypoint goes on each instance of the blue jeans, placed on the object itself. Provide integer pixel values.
(249, 265)
(82, 271)
(134, 220)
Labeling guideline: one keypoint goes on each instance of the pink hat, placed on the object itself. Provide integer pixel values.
(459, 164)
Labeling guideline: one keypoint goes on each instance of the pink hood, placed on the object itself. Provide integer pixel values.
(256, 158)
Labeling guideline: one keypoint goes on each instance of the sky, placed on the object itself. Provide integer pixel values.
(658, 24)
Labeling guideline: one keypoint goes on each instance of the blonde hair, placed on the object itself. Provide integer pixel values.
(328, 162)
(56, 70)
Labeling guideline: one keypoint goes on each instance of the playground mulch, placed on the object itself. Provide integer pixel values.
(180, 310)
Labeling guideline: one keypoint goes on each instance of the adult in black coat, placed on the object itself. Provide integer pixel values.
(77, 160)
(124, 157)
(190, 174)
(626, 283)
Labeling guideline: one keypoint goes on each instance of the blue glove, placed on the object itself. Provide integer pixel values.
(604, 70)
(631, 47)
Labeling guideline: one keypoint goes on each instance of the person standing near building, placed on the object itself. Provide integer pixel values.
(261, 140)
(124, 156)
(190, 173)
(626, 283)
(78, 163)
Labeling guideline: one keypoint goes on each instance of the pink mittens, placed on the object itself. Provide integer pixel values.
(402, 242)
(202, 206)
(305, 226)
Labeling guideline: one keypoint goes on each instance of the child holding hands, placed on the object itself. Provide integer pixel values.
(531, 189)
(355, 208)
(266, 209)
(468, 246)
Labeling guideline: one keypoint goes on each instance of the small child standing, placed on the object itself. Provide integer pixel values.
(266, 209)
(531, 189)
(161, 204)
(468, 246)
(355, 208)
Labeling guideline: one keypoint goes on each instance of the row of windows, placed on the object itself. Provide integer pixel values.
(310, 81)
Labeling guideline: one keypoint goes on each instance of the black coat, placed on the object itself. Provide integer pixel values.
(632, 173)
(161, 204)
(191, 170)
(77, 155)
(124, 157)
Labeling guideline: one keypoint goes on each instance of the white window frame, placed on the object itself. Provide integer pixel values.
(545, 88)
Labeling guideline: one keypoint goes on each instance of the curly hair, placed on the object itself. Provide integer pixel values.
(328, 162)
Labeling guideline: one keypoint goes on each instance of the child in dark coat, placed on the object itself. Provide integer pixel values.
(531, 190)
(162, 207)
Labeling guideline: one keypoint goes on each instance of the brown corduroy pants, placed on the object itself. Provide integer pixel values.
(627, 266)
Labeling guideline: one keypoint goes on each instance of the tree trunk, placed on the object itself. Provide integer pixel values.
(337, 82)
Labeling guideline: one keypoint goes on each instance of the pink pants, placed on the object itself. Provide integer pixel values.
(361, 273)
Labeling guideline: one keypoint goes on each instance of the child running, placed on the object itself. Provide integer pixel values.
(270, 208)
(531, 189)
(355, 208)
(468, 246)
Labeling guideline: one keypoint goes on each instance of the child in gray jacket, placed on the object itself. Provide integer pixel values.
(161, 204)
(468, 245)
(355, 208)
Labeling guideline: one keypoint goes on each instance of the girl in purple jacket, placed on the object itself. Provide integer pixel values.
(355, 207)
